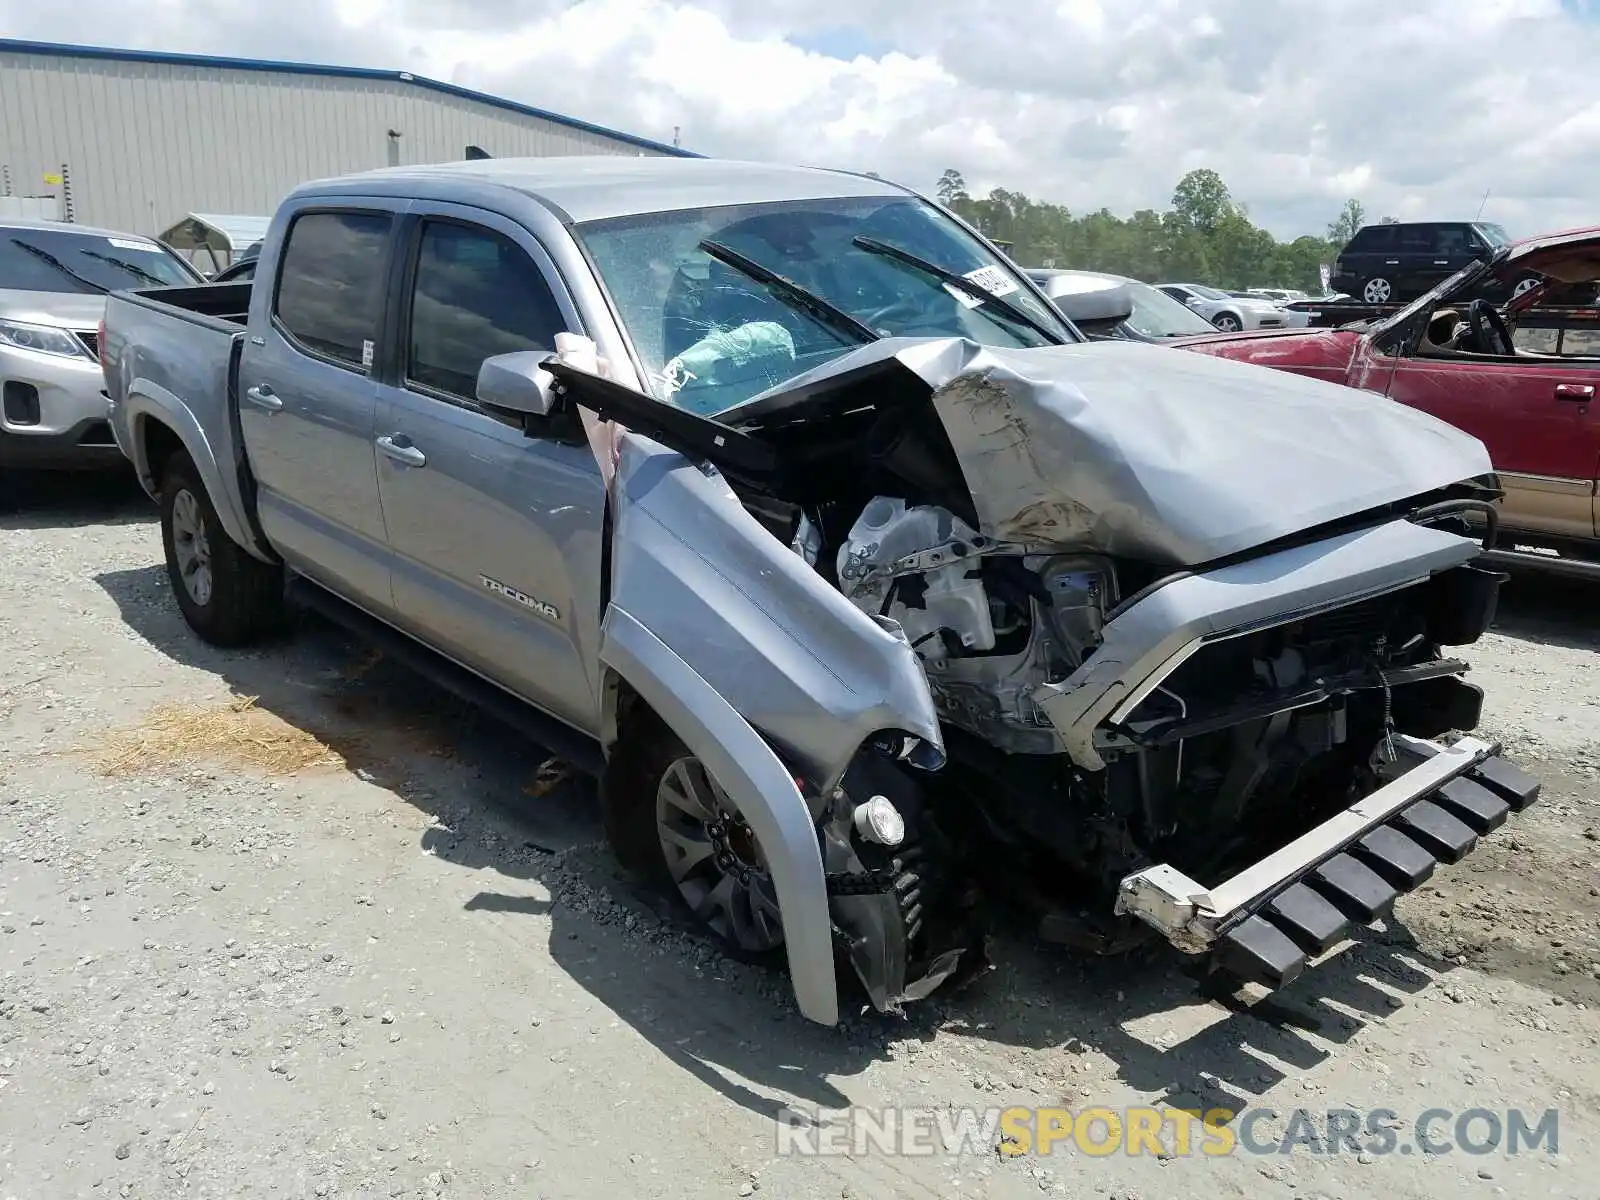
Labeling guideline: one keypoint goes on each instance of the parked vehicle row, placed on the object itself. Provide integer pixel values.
(1231, 313)
(873, 591)
(1464, 358)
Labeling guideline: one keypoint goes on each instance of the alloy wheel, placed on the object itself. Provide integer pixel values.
(715, 860)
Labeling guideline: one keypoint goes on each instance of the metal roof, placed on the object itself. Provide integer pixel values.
(220, 231)
(593, 188)
(210, 62)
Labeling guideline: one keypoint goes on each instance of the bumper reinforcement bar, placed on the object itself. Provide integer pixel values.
(1263, 924)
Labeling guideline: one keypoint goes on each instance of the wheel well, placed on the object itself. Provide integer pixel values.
(158, 443)
(617, 700)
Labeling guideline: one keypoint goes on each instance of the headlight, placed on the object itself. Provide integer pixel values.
(46, 339)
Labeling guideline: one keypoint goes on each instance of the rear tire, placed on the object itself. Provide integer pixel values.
(227, 596)
(672, 825)
(1377, 291)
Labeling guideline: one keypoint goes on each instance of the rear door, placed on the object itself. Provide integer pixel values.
(1538, 420)
(496, 537)
(307, 400)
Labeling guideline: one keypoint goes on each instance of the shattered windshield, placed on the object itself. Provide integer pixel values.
(35, 259)
(712, 327)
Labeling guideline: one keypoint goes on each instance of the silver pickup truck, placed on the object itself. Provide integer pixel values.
(879, 599)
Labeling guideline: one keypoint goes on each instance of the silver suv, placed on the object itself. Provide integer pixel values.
(53, 280)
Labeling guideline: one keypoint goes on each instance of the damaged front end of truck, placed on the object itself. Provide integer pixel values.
(1140, 643)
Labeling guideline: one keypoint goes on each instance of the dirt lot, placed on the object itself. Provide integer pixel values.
(347, 939)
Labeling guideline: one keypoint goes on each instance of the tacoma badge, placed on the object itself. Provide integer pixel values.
(547, 611)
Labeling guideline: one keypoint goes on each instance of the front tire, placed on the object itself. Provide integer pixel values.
(227, 596)
(670, 823)
(1228, 322)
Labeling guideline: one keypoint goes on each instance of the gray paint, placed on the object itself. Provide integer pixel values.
(1153, 637)
(149, 142)
(745, 765)
(1178, 459)
(756, 664)
(799, 661)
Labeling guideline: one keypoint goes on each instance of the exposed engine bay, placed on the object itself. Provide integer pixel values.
(1165, 657)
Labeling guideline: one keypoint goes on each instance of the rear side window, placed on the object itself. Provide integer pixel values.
(1373, 237)
(476, 295)
(331, 284)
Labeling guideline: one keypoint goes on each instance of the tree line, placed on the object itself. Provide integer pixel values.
(1204, 236)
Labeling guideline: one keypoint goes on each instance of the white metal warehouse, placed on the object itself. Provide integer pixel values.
(137, 140)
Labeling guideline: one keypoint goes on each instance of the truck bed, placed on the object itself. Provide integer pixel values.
(175, 351)
(203, 304)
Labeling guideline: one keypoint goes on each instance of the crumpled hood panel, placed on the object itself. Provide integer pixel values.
(1171, 457)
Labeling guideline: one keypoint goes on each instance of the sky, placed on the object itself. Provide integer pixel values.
(1415, 107)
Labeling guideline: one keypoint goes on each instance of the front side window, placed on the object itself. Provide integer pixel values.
(476, 295)
(1209, 293)
(1452, 239)
(35, 259)
(331, 285)
(711, 332)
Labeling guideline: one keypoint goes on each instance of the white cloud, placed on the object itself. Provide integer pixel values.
(1416, 112)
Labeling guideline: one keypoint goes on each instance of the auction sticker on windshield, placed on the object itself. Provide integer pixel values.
(991, 279)
(126, 244)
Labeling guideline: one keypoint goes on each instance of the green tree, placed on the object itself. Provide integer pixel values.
(951, 188)
(1202, 200)
(1205, 236)
(1351, 218)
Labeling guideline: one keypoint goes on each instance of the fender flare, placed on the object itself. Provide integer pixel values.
(746, 766)
(147, 401)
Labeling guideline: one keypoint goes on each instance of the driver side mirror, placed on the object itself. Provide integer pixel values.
(516, 389)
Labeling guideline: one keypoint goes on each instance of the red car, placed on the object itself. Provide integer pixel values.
(1519, 377)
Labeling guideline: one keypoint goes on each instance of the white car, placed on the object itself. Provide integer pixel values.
(1233, 313)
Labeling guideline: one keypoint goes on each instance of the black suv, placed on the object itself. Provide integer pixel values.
(1384, 264)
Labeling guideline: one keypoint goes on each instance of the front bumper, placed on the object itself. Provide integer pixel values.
(53, 412)
(1264, 924)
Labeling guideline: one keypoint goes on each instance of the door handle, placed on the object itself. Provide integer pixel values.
(1441, 262)
(398, 447)
(263, 396)
(1581, 392)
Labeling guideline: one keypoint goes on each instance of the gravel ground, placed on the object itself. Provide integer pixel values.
(413, 970)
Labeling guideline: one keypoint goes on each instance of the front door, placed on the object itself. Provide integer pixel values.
(1538, 420)
(307, 400)
(496, 537)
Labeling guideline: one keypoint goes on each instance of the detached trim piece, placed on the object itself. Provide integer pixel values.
(1265, 922)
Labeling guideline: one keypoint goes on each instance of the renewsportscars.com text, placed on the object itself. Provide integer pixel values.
(1165, 1132)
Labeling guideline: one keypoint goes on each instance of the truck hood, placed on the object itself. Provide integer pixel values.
(1138, 451)
(64, 310)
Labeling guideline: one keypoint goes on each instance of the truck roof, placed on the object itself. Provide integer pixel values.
(591, 188)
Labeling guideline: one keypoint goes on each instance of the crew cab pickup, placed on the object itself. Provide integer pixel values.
(874, 593)
(1518, 373)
